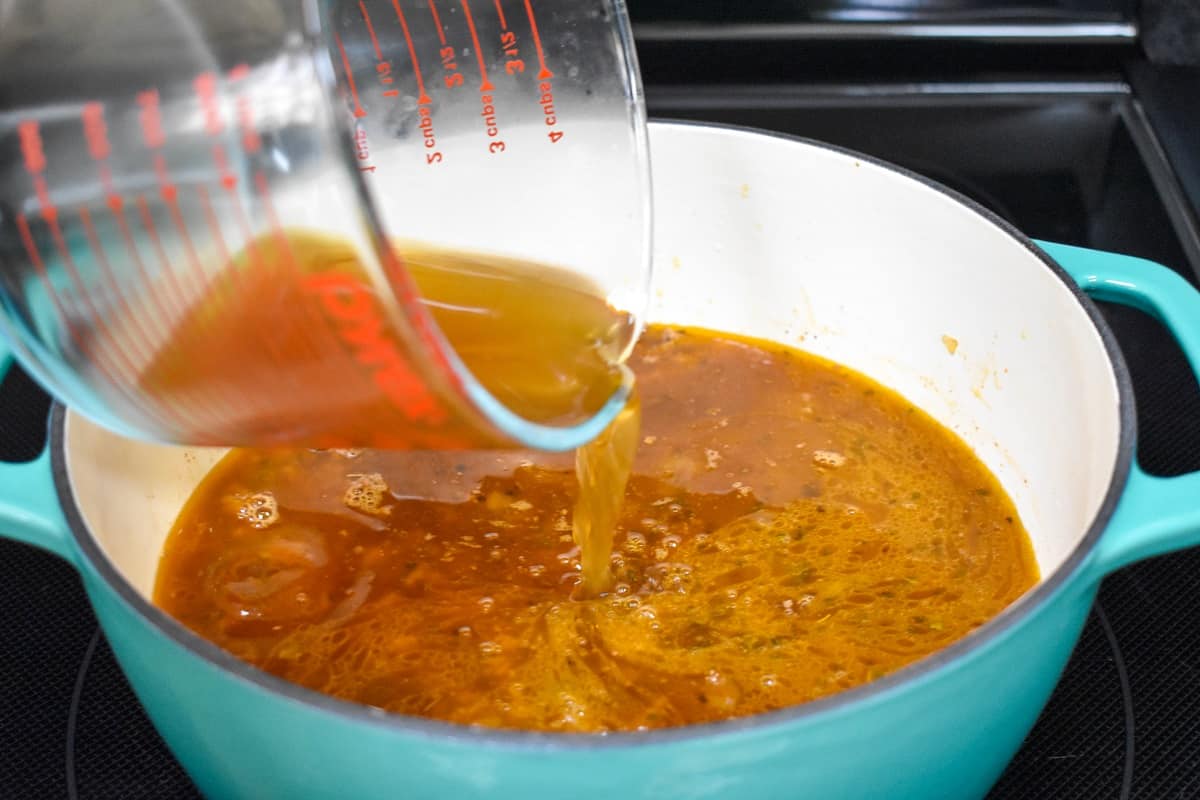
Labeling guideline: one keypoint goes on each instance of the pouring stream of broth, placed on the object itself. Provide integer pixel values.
(259, 359)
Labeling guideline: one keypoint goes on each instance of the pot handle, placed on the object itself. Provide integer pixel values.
(29, 510)
(1155, 515)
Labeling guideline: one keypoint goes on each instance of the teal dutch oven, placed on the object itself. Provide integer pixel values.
(769, 236)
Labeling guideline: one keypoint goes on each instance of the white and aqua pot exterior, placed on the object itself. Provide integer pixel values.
(775, 237)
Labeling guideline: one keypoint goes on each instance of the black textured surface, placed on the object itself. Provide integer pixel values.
(131, 766)
(23, 409)
(1168, 400)
(46, 623)
(892, 11)
(1170, 96)
(1171, 31)
(1077, 750)
(1159, 604)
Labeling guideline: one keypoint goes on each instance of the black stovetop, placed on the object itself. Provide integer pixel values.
(1070, 158)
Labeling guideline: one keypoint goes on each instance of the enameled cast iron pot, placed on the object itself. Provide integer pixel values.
(773, 237)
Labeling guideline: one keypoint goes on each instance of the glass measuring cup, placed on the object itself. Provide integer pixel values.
(167, 162)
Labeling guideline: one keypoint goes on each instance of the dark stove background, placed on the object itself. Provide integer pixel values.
(867, 11)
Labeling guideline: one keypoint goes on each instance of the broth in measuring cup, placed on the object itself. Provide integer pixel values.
(290, 346)
(261, 350)
(790, 529)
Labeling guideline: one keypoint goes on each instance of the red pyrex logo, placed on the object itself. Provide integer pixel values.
(359, 323)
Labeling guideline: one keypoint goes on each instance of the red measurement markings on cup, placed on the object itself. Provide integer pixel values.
(34, 156)
(544, 73)
(39, 266)
(84, 344)
(545, 80)
(95, 131)
(486, 99)
(424, 111)
(360, 323)
(167, 304)
(319, 334)
(433, 156)
(383, 67)
(34, 153)
(120, 375)
(423, 98)
(139, 343)
(206, 86)
(150, 120)
(453, 77)
(198, 406)
(513, 65)
(359, 111)
(251, 141)
(362, 149)
(322, 336)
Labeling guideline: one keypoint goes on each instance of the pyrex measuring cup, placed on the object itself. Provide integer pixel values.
(160, 157)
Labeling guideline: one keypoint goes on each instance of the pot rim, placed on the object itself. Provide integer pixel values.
(987, 634)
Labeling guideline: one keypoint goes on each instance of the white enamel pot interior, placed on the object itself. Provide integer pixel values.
(813, 247)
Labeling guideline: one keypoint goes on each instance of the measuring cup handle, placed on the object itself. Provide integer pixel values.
(1155, 515)
(29, 509)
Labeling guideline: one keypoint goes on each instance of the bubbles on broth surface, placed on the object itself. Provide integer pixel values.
(260, 509)
(367, 493)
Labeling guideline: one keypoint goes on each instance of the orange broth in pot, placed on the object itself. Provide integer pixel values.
(791, 529)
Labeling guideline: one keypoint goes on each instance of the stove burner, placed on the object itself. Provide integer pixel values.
(111, 747)
(1084, 746)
